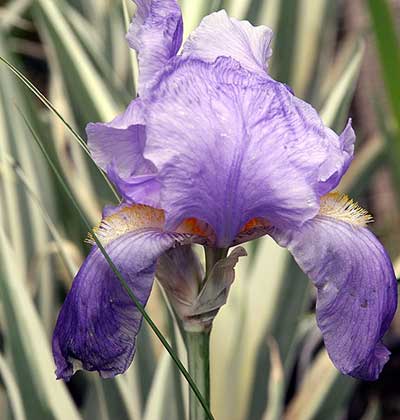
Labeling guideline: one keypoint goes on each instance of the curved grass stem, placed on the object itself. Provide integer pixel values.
(124, 284)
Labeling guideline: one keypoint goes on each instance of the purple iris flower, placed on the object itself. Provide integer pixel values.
(215, 151)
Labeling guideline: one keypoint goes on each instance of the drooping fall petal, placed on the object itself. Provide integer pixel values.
(356, 285)
(98, 323)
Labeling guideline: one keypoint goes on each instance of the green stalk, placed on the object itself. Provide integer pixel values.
(198, 348)
(213, 255)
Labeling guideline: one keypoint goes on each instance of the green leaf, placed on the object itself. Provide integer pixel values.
(79, 72)
(237, 9)
(27, 345)
(13, 391)
(160, 401)
(15, 167)
(248, 316)
(48, 104)
(276, 386)
(110, 58)
(117, 399)
(285, 42)
(336, 106)
(25, 226)
(193, 12)
(11, 13)
(311, 25)
(383, 25)
(368, 158)
(318, 386)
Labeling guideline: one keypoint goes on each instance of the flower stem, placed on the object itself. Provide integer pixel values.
(198, 348)
(213, 255)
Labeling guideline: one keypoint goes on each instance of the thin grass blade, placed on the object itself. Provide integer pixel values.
(81, 73)
(119, 276)
(47, 103)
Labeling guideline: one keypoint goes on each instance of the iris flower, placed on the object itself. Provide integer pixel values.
(214, 151)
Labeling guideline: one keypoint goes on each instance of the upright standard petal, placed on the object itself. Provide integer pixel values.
(230, 146)
(219, 35)
(117, 147)
(156, 34)
(120, 142)
(98, 323)
(357, 290)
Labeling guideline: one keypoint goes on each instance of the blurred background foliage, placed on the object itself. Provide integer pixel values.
(268, 361)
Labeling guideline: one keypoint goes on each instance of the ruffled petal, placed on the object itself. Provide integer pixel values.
(98, 323)
(219, 35)
(117, 147)
(143, 189)
(156, 34)
(342, 151)
(122, 148)
(356, 286)
(230, 146)
(120, 142)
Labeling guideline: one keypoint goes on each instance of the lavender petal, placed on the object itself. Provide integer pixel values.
(231, 145)
(219, 35)
(98, 323)
(156, 34)
(356, 291)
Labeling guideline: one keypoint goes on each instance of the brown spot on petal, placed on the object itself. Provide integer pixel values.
(197, 227)
(253, 229)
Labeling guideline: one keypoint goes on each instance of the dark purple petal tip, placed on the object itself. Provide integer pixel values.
(98, 323)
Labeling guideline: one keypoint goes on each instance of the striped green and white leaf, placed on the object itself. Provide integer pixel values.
(27, 345)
